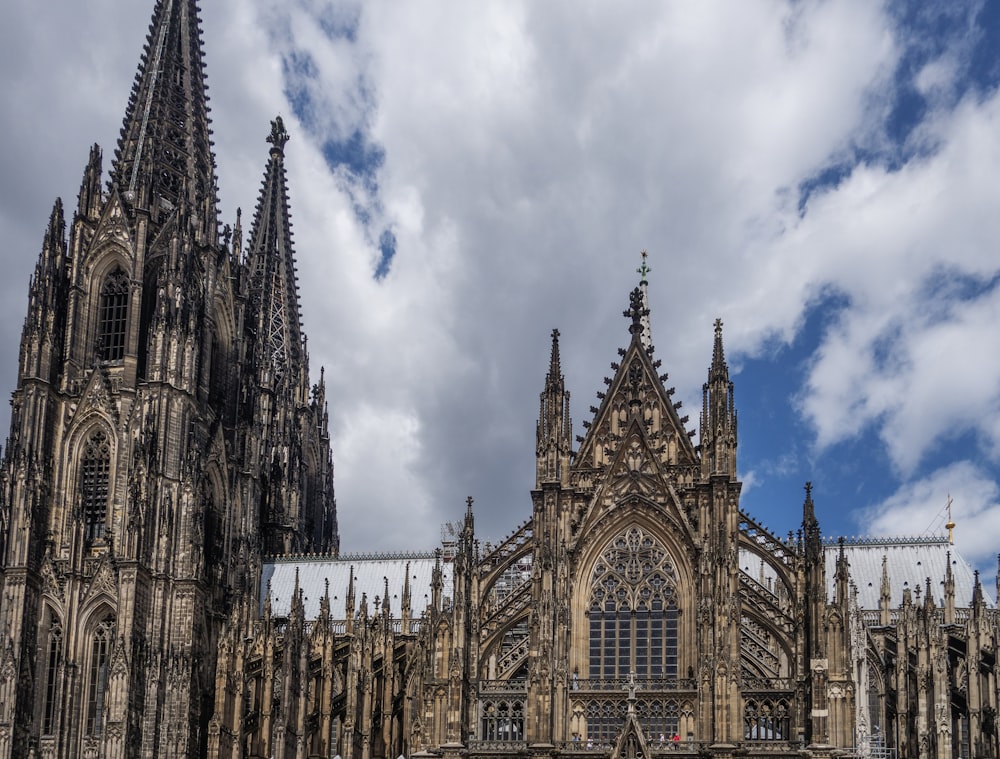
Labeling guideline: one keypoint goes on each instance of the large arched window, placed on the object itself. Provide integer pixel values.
(112, 316)
(97, 675)
(54, 656)
(633, 610)
(95, 472)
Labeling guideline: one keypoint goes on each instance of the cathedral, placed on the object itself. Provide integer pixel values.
(172, 584)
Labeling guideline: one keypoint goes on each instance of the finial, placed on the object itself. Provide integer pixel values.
(630, 686)
(950, 525)
(643, 269)
(718, 370)
(554, 368)
(636, 311)
(809, 522)
(278, 136)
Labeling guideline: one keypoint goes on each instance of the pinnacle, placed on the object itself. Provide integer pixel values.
(719, 368)
(636, 311)
(57, 225)
(808, 509)
(554, 364)
(278, 136)
(89, 197)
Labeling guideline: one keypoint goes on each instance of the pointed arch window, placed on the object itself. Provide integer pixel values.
(97, 676)
(54, 657)
(112, 317)
(633, 610)
(503, 720)
(767, 719)
(95, 471)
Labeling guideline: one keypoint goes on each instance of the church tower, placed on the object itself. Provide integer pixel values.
(164, 435)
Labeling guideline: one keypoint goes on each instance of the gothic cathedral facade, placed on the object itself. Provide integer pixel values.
(164, 434)
(172, 583)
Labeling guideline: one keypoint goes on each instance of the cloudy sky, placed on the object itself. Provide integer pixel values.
(823, 176)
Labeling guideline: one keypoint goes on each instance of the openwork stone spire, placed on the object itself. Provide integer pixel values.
(164, 157)
(272, 265)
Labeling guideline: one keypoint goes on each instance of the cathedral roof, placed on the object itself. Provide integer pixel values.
(909, 562)
(370, 574)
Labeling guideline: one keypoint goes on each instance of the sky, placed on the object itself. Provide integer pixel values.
(465, 177)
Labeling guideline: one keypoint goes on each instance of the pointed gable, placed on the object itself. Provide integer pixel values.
(636, 467)
(113, 227)
(631, 743)
(96, 397)
(104, 583)
(636, 386)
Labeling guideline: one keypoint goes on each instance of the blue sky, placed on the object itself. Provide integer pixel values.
(823, 176)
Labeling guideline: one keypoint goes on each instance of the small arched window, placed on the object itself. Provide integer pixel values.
(112, 317)
(97, 678)
(767, 719)
(503, 720)
(95, 471)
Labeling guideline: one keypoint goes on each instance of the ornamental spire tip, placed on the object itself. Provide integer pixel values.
(279, 135)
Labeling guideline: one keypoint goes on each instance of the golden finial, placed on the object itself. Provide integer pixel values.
(950, 524)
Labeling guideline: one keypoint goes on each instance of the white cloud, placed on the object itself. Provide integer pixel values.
(911, 252)
(920, 508)
(531, 151)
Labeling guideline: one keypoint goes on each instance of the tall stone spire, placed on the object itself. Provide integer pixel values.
(164, 157)
(272, 265)
(292, 520)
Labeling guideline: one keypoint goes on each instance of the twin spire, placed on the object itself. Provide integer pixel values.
(164, 158)
(164, 161)
(274, 285)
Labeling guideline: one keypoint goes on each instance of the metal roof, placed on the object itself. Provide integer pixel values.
(909, 563)
(370, 575)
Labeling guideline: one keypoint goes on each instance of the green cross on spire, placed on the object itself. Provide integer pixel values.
(644, 269)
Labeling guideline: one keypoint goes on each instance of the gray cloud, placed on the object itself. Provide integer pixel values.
(530, 152)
